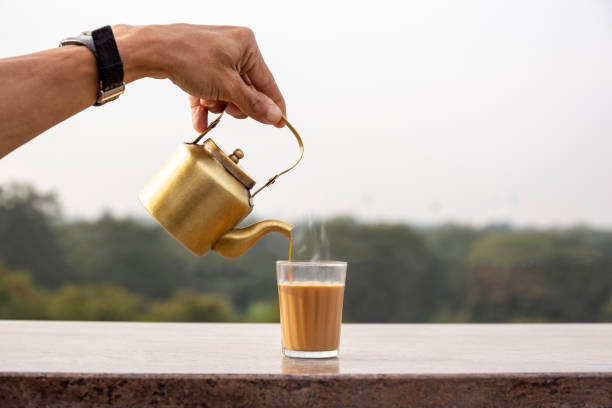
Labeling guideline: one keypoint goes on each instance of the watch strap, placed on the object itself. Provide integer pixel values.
(110, 66)
(101, 43)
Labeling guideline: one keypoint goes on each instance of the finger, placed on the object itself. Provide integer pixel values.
(235, 111)
(199, 114)
(252, 102)
(214, 105)
(263, 80)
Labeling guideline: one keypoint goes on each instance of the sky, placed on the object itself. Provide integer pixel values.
(415, 111)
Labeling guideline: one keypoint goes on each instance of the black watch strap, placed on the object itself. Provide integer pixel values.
(110, 67)
(102, 44)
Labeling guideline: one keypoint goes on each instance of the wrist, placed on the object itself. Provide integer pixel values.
(141, 52)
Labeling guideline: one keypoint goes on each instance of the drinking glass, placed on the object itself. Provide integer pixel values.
(310, 299)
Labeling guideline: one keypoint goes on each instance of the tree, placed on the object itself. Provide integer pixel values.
(95, 302)
(551, 275)
(392, 276)
(263, 312)
(124, 252)
(188, 306)
(27, 239)
(19, 298)
(114, 268)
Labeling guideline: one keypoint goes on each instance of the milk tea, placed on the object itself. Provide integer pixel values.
(311, 314)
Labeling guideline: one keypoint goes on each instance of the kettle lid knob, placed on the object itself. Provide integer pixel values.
(237, 155)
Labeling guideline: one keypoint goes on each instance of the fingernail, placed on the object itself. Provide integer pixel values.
(273, 114)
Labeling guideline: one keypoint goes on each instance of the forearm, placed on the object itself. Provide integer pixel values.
(42, 89)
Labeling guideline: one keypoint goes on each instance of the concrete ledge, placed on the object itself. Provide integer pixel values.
(97, 364)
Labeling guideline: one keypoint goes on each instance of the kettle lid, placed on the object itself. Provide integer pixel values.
(230, 163)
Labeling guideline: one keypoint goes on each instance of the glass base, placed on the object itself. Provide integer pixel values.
(310, 354)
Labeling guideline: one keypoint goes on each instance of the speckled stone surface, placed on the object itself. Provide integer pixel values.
(258, 390)
(78, 364)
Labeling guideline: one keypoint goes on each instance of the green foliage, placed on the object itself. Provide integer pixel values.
(511, 249)
(555, 275)
(126, 269)
(263, 311)
(123, 252)
(452, 243)
(19, 298)
(94, 302)
(607, 310)
(392, 276)
(27, 239)
(187, 306)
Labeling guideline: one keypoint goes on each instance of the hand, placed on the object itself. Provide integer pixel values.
(219, 67)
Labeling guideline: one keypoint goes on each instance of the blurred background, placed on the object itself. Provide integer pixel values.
(457, 155)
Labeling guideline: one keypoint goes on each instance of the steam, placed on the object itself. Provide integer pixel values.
(311, 242)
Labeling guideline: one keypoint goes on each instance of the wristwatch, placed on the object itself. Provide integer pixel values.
(101, 42)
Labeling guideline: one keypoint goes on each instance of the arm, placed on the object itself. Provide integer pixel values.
(220, 67)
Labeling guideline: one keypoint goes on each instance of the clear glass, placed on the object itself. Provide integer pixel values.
(310, 297)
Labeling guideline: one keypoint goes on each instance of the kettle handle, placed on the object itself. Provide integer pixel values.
(300, 144)
(273, 178)
(210, 127)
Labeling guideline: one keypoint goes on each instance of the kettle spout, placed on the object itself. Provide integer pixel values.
(237, 241)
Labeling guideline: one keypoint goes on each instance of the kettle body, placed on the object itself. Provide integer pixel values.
(195, 198)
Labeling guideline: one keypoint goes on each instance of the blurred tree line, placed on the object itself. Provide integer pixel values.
(127, 269)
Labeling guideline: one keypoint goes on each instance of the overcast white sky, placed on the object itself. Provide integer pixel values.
(428, 111)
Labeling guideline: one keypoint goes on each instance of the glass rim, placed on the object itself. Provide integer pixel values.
(313, 263)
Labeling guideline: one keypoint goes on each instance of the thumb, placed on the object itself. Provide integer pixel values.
(254, 103)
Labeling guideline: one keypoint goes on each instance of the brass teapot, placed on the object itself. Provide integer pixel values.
(201, 194)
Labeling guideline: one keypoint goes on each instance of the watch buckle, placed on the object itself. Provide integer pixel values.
(110, 94)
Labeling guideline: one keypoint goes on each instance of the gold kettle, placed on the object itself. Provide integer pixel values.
(201, 194)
